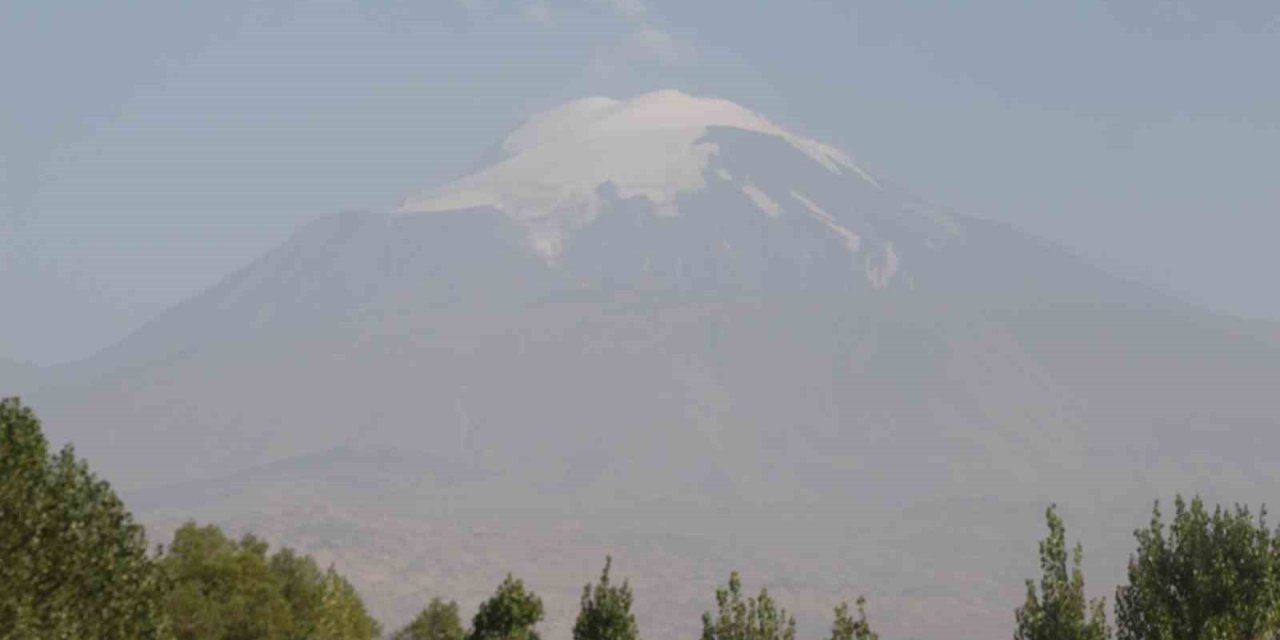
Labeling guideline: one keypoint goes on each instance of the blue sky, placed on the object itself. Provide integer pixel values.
(149, 148)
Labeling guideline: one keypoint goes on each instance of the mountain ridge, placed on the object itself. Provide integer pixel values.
(770, 333)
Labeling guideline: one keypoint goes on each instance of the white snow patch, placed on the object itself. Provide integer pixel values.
(647, 146)
(548, 242)
(851, 239)
(830, 157)
(880, 275)
(762, 200)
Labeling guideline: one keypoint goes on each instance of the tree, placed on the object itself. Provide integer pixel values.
(223, 589)
(510, 614)
(606, 611)
(342, 615)
(302, 584)
(757, 618)
(1212, 576)
(1060, 611)
(73, 564)
(846, 628)
(438, 621)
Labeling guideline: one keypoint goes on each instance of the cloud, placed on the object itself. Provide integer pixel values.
(537, 12)
(646, 45)
(629, 9)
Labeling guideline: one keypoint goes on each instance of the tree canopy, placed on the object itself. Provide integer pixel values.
(301, 582)
(437, 621)
(225, 589)
(1207, 576)
(342, 615)
(757, 618)
(1060, 611)
(73, 564)
(510, 614)
(606, 611)
(846, 628)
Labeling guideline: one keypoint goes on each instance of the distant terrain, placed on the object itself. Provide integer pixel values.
(666, 329)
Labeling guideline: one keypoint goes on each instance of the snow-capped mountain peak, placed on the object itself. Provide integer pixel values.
(712, 183)
(660, 111)
(651, 146)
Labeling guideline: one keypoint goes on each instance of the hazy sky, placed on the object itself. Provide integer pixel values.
(149, 148)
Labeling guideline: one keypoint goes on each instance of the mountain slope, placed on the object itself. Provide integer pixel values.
(669, 305)
(18, 377)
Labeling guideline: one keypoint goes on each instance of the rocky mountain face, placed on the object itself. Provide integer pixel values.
(668, 321)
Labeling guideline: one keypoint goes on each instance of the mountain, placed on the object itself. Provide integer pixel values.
(682, 327)
(16, 377)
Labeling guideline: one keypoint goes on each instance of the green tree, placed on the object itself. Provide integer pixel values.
(606, 611)
(1060, 611)
(1211, 577)
(342, 615)
(510, 614)
(223, 589)
(73, 564)
(438, 621)
(757, 618)
(846, 628)
(302, 584)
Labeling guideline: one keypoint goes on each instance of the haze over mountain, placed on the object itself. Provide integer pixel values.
(637, 311)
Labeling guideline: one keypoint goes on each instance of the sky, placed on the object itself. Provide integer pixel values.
(148, 149)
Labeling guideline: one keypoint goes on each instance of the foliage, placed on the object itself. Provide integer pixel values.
(606, 611)
(1211, 577)
(224, 589)
(301, 582)
(342, 615)
(757, 618)
(73, 564)
(438, 621)
(846, 628)
(1060, 611)
(510, 614)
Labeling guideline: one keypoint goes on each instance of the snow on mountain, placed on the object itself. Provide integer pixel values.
(654, 146)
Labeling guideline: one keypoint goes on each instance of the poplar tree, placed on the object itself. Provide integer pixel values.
(846, 628)
(738, 618)
(606, 611)
(1060, 610)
